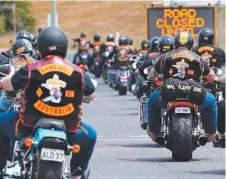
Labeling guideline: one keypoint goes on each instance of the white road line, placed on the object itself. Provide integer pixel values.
(124, 139)
(139, 136)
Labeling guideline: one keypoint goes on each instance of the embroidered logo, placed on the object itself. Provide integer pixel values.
(180, 66)
(54, 86)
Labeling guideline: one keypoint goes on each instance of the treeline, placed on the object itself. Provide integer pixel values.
(23, 13)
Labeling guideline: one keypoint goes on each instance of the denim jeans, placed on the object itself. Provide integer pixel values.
(5, 103)
(208, 111)
(7, 133)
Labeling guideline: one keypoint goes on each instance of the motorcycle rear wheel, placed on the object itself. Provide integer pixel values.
(181, 137)
(48, 169)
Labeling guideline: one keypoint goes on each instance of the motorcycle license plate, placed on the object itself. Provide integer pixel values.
(123, 80)
(52, 155)
(183, 110)
(96, 63)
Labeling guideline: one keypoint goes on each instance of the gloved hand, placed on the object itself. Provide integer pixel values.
(88, 99)
(221, 79)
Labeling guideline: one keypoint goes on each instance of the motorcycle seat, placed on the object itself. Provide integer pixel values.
(46, 123)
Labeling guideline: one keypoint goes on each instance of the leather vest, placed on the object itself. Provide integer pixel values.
(55, 90)
(211, 52)
(182, 64)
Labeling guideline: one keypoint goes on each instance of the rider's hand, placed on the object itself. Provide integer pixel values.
(221, 79)
(137, 72)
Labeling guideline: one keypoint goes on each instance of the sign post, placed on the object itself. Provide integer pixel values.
(170, 20)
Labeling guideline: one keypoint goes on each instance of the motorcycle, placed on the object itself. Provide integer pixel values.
(146, 88)
(181, 126)
(97, 65)
(107, 65)
(42, 155)
(123, 76)
(83, 60)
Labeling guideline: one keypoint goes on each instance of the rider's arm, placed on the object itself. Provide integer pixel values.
(89, 88)
(159, 64)
(222, 54)
(77, 40)
(208, 73)
(16, 81)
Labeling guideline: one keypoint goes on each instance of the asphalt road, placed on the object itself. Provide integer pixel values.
(123, 151)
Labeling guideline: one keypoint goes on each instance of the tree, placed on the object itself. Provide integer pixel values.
(24, 18)
(2, 24)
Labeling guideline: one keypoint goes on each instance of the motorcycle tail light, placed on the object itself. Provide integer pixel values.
(76, 149)
(28, 142)
(171, 105)
(159, 83)
(97, 60)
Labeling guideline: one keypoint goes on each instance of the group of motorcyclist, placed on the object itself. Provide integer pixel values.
(175, 58)
(41, 58)
(39, 65)
(180, 62)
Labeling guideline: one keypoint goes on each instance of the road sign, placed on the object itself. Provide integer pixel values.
(170, 20)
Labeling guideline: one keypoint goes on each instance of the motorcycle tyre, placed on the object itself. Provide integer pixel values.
(180, 136)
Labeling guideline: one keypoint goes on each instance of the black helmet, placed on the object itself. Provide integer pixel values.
(110, 38)
(96, 37)
(34, 41)
(183, 39)
(40, 29)
(22, 46)
(129, 41)
(24, 35)
(145, 44)
(122, 41)
(166, 44)
(83, 35)
(154, 42)
(206, 36)
(52, 41)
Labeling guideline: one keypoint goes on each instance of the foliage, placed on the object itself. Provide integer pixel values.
(24, 18)
(2, 24)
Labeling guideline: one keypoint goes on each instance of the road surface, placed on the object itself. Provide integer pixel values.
(123, 151)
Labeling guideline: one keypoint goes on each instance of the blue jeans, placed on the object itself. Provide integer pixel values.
(208, 111)
(7, 133)
(5, 103)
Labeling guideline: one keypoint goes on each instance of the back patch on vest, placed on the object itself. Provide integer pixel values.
(54, 85)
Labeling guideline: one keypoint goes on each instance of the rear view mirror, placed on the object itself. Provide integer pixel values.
(6, 70)
(147, 70)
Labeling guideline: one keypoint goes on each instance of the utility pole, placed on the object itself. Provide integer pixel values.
(219, 23)
(14, 17)
(54, 13)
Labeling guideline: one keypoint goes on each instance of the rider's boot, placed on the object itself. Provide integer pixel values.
(219, 140)
(78, 174)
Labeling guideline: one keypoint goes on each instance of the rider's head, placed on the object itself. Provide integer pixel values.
(40, 29)
(110, 38)
(96, 37)
(129, 41)
(183, 39)
(166, 44)
(206, 36)
(122, 41)
(34, 41)
(145, 44)
(24, 35)
(22, 46)
(154, 42)
(52, 41)
(83, 35)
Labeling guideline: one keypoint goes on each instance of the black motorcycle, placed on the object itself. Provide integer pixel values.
(181, 126)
